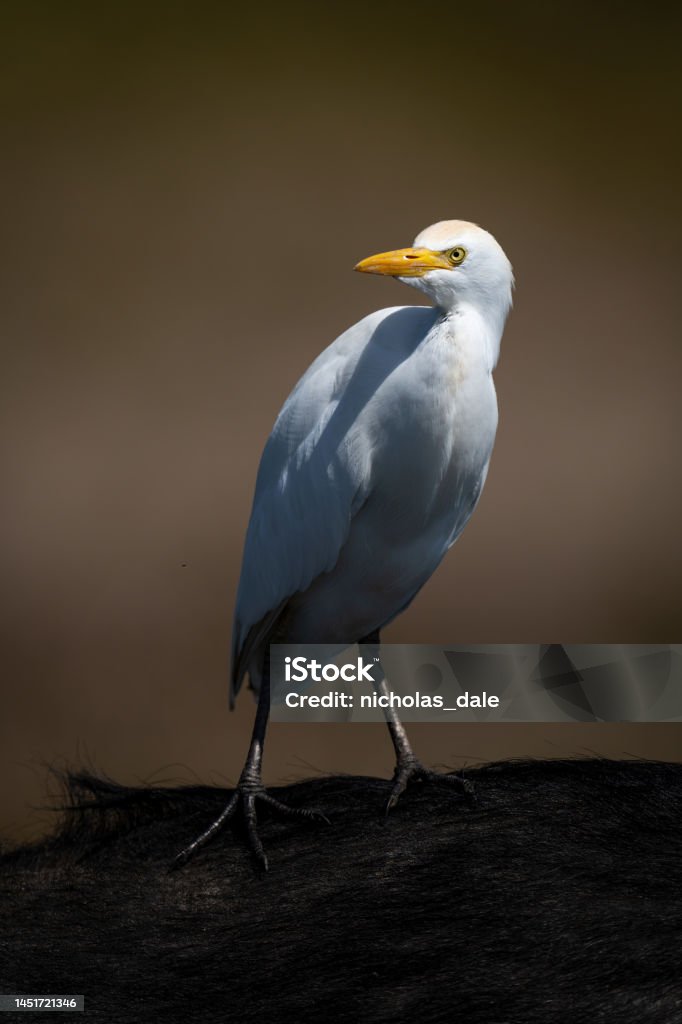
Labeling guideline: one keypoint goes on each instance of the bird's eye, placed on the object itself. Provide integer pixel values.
(457, 254)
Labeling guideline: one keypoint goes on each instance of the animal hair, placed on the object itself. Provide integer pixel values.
(555, 899)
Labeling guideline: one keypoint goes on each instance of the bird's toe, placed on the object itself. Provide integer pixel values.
(310, 813)
(413, 770)
(247, 798)
(254, 840)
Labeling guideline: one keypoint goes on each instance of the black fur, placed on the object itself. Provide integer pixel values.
(557, 899)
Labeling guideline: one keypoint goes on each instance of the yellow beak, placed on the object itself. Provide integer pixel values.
(404, 263)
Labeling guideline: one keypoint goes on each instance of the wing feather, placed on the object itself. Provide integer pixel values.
(315, 474)
(311, 481)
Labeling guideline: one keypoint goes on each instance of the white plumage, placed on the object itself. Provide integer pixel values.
(378, 456)
(371, 472)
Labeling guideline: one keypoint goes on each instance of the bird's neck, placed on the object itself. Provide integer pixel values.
(475, 329)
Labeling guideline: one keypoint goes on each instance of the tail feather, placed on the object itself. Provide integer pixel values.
(247, 657)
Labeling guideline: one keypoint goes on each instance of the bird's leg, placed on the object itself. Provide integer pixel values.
(250, 788)
(407, 766)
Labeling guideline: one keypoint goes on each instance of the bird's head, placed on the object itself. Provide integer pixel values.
(454, 263)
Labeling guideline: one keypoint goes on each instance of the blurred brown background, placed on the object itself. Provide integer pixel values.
(187, 188)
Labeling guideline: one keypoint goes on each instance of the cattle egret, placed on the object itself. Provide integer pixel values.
(374, 465)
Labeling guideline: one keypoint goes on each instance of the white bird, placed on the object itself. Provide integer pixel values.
(373, 468)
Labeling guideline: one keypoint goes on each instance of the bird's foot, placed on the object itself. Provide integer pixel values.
(409, 769)
(245, 797)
